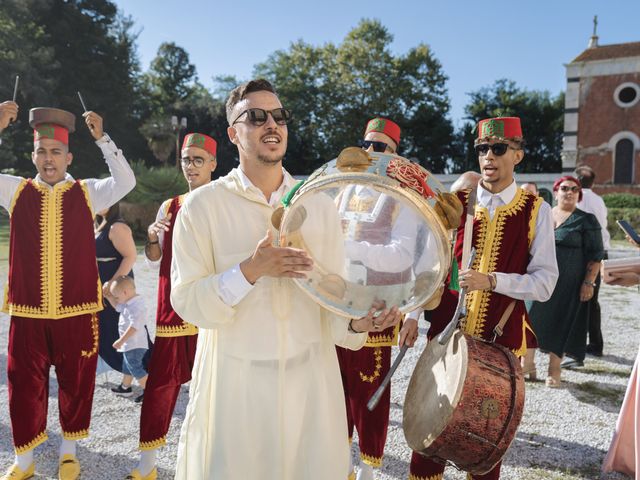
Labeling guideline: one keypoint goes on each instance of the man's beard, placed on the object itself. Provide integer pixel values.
(270, 160)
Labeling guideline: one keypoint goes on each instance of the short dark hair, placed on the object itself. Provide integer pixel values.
(586, 175)
(239, 93)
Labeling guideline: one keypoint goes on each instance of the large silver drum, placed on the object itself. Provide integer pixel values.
(368, 221)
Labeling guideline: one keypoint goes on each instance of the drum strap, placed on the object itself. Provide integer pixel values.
(498, 330)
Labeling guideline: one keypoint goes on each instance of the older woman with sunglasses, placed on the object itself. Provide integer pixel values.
(561, 322)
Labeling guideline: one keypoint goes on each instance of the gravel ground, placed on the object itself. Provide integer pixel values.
(564, 433)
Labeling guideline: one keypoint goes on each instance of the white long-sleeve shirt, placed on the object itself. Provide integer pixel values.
(233, 286)
(102, 192)
(540, 279)
(592, 203)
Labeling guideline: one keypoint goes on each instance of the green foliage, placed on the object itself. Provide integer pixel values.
(155, 184)
(171, 77)
(333, 90)
(59, 47)
(631, 215)
(621, 200)
(542, 125)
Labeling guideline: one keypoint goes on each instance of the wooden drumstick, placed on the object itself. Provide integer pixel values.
(15, 88)
(375, 398)
(84, 107)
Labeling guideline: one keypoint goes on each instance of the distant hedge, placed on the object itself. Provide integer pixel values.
(621, 200)
(631, 215)
(156, 184)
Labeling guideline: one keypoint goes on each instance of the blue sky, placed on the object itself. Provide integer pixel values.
(476, 42)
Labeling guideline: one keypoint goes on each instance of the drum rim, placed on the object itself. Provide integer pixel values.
(318, 180)
(433, 344)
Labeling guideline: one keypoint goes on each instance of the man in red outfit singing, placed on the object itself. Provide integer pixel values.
(515, 258)
(54, 293)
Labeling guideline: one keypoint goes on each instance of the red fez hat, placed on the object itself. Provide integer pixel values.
(386, 126)
(502, 128)
(52, 123)
(202, 141)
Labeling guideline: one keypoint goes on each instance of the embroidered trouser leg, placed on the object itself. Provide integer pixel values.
(423, 468)
(35, 344)
(362, 373)
(170, 367)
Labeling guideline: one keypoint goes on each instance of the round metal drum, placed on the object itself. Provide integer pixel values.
(368, 222)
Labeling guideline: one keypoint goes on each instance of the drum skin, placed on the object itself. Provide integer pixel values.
(464, 403)
(365, 202)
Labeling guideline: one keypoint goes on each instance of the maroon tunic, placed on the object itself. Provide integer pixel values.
(168, 322)
(173, 353)
(52, 253)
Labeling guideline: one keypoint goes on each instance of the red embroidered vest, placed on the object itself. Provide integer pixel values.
(502, 245)
(378, 232)
(52, 252)
(168, 322)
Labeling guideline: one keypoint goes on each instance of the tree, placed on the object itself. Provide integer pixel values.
(542, 124)
(171, 77)
(77, 45)
(334, 89)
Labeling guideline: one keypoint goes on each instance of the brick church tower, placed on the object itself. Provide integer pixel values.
(602, 115)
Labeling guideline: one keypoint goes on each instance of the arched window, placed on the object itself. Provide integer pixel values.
(623, 162)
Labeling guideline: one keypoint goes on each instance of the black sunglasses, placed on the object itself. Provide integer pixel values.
(567, 188)
(498, 149)
(258, 116)
(379, 147)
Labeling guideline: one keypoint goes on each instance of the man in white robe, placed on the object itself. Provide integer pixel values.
(266, 397)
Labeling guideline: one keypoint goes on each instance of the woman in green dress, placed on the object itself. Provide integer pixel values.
(560, 321)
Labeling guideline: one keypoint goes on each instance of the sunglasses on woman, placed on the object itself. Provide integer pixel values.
(498, 149)
(567, 188)
(379, 147)
(258, 116)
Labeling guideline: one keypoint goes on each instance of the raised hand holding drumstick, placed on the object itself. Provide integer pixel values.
(8, 114)
(94, 123)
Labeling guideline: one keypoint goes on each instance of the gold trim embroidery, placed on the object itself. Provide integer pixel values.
(21, 186)
(184, 330)
(377, 354)
(153, 444)
(96, 334)
(369, 460)
(51, 275)
(379, 340)
(75, 435)
(488, 244)
(40, 438)
(437, 476)
(534, 218)
(85, 190)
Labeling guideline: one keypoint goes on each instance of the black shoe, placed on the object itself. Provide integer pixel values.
(591, 350)
(571, 363)
(121, 391)
(139, 398)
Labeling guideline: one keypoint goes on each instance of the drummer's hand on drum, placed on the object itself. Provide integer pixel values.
(270, 261)
(387, 318)
(472, 280)
(408, 332)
